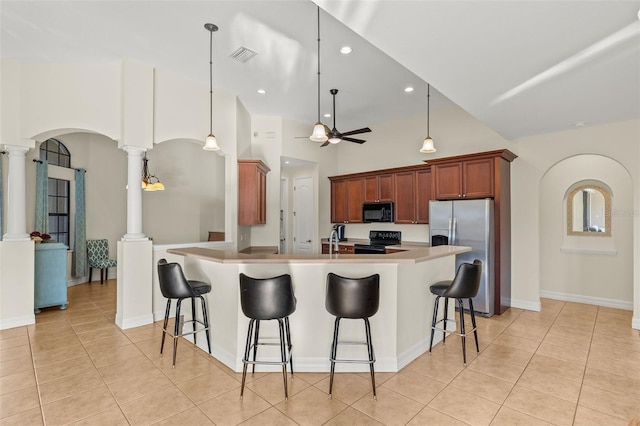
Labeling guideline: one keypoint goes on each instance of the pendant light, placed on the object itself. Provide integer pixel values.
(319, 130)
(427, 144)
(211, 144)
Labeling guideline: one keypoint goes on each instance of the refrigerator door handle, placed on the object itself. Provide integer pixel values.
(453, 231)
(450, 233)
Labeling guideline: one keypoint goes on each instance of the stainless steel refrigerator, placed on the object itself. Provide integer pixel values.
(468, 223)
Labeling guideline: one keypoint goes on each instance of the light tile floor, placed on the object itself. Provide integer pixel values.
(568, 364)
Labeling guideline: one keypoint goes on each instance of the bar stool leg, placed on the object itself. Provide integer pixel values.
(462, 331)
(334, 350)
(289, 345)
(247, 349)
(255, 346)
(444, 323)
(205, 320)
(434, 321)
(473, 322)
(283, 357)
(176, 332)
(193, 318)
(164, 325)
(367, 327)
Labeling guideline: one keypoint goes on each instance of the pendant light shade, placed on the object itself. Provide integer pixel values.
(211, 144)
(427, 144)
(319, 130)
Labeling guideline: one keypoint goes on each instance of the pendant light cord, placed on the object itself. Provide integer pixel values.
(428, 101)
(318, 64)
(210, 82)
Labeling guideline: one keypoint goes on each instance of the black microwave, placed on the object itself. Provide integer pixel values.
(377, 212)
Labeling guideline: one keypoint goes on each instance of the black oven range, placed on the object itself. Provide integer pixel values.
(378, 240)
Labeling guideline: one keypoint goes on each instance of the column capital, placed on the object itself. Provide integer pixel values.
(16, 150)
(134, 150)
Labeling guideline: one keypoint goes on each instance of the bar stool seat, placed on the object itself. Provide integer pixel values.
(264, 299)
(174, 286)
(465, 285)
(352, 298)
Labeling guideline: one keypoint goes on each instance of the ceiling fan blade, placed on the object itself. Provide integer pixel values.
(324, 144)
(353, 140)
(355, 132)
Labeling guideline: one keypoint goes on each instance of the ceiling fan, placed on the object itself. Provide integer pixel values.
(334, 135)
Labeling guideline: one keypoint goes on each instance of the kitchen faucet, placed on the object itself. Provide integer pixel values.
(333, 238)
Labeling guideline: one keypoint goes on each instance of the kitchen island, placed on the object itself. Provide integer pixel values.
(400, 329)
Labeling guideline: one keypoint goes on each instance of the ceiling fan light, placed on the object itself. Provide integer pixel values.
(334, 140)
(427, 146)
(211, 144)
(319, 133)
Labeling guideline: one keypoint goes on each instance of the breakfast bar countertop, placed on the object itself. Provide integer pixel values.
(411, 253)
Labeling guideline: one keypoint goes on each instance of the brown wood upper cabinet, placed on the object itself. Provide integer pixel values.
(467, 176)
(412, 195)
(252, 195)
(379, 188)
(346, 200)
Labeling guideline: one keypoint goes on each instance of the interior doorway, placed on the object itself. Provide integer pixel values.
(303, 213)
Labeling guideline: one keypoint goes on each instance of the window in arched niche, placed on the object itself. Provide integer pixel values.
(59, 190)
(55, 153)
(589, 210)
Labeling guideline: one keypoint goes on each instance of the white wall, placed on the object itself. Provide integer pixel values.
(193, 200)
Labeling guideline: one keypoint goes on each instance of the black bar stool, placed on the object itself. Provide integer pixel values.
(174, 285)
(352, 298)
(465, 285)
(267, 299)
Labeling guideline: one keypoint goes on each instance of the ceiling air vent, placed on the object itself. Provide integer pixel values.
(242, 54)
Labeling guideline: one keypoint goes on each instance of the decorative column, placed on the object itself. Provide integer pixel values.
(16, 195)
(134, 194)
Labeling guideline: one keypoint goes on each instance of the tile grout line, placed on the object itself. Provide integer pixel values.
(528, 362)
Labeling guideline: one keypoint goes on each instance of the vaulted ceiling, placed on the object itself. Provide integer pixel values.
(521, 67)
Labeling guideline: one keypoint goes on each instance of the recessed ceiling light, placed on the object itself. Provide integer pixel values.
(262, 91)
(408, 89)
(345, 50)
(327, 115)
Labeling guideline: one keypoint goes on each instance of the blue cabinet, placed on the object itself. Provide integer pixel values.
(50, 276)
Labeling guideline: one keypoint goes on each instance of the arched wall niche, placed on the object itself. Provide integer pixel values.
(576, 267)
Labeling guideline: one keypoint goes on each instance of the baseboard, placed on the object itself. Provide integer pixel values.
(17, 321)
(524, 304)
(635, 323)
(127, 323)
(599, 301)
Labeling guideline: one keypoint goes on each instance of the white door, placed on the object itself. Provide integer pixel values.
(284, 214)
(303, 211)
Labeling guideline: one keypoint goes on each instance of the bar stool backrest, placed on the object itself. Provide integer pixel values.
(173, 283)
(267, 298)
(466, 282)
(352, 297)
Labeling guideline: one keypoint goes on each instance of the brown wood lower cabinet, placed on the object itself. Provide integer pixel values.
(344, 249)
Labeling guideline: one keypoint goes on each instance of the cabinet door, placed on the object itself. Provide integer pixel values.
(447, 181)
(423, 195)
(386, 187)
(405, 199)
(477, 178)
(354, 200)
(371, 193)
(252, 192)
(338, 201)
